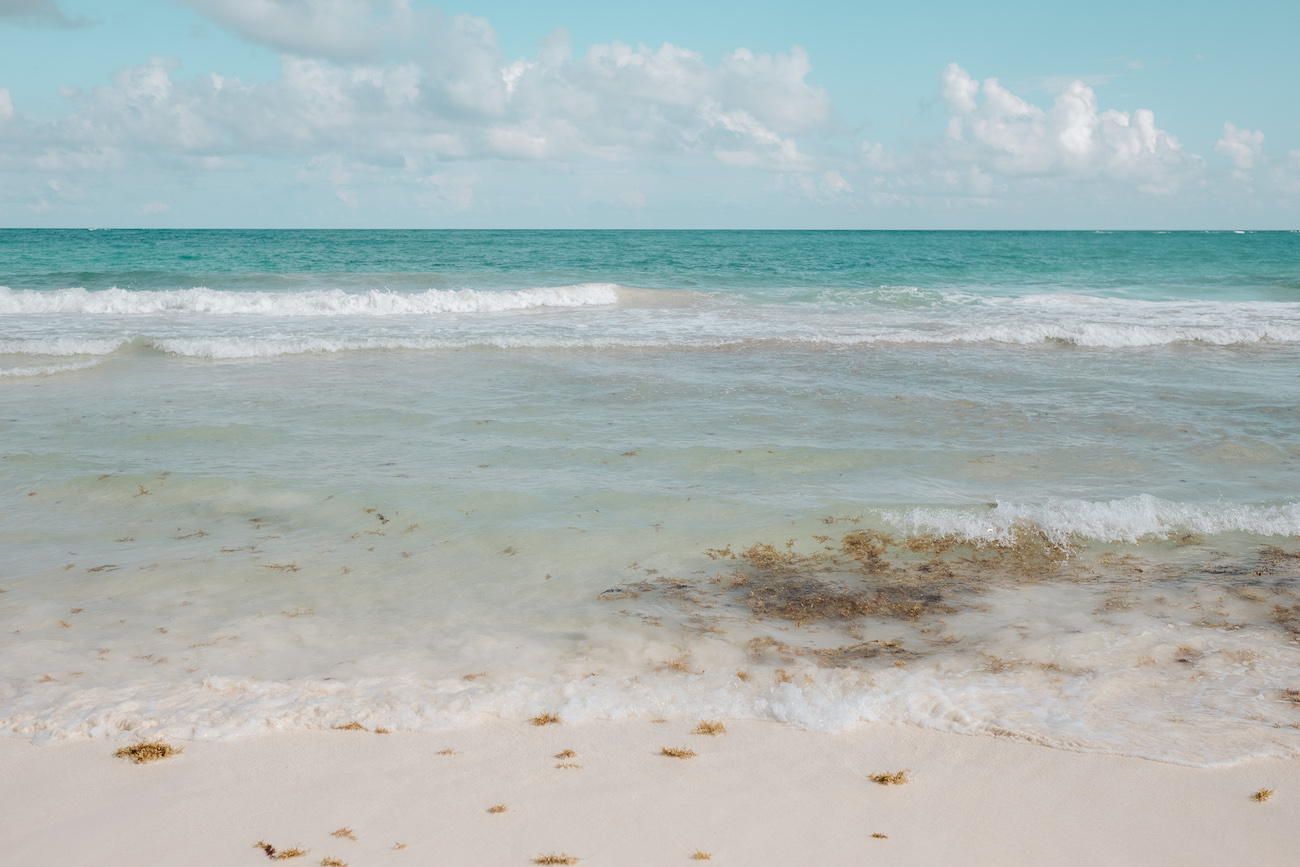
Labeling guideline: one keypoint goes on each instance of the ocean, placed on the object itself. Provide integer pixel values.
(1036, 484)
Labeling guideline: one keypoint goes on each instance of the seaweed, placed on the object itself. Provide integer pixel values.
(144, 752)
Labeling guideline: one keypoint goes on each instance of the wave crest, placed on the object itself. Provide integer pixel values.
(1124, 520)
(323, 302)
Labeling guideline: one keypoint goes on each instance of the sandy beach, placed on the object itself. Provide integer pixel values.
(761, 793)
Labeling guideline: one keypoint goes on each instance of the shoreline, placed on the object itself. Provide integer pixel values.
(760, 793)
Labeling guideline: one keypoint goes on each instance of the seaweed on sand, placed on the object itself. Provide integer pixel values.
(148, 751)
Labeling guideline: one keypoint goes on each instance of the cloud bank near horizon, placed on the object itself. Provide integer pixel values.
(377, 93)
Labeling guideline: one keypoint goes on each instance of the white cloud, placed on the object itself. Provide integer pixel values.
(38, 13)
(398, 95)
(1007, 135)
(999, 148)
(464, 101)
(1244, 146)
(833, 183)
(759, 145)
(959, 90)
(339, 29)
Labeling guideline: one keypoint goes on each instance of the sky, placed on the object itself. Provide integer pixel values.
(673, 114)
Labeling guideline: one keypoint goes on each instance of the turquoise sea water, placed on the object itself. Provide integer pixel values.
(1040, 484)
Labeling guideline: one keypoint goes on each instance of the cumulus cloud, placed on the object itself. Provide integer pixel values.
(390, 91)
(457, 99)
(1245, 147)
(1005, 134)
(998, 147)
(38, 13)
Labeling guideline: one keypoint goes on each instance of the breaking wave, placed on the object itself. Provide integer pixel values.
(325, 302)
(48, 369)
(1124, 520)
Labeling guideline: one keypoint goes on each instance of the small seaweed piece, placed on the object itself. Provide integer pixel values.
(677, 752)
(880, 836)
(344, 832)
(331, 861)
(561, 858)
(353, 726)
(565, 754)
(544, 719)
(280, 855)
(1262, 795)
(498, 808)
(891, 778)
(701, 855)
(148, 751)
(710, 727)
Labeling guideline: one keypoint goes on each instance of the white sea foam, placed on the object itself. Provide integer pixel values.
(224, 324)
(326, 302)
(1072, 715)
(1123, 520)
(230, 348)
(62, 346)
(48, 369)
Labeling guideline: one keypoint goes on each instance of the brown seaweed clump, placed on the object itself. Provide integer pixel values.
(148, 751)
(872, 574)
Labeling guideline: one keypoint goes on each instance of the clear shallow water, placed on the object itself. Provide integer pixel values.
(293, 479)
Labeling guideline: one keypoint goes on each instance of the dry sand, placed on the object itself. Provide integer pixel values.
(760, 794)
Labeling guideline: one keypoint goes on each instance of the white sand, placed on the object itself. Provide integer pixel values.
(760, 794)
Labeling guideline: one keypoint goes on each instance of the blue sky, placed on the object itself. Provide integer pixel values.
(674, 114)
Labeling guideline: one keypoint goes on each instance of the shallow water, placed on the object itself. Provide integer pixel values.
(261, 480)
